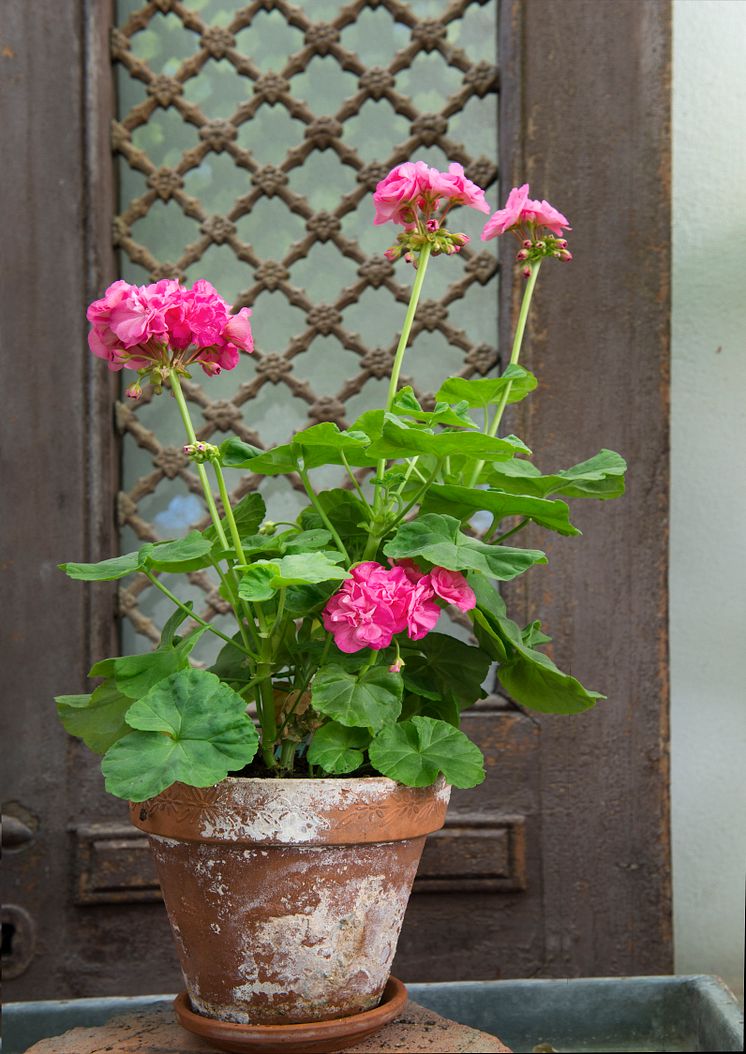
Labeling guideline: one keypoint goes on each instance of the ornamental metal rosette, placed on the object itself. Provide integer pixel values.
(250, 139)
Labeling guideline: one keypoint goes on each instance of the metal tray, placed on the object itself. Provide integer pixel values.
(596, 1015)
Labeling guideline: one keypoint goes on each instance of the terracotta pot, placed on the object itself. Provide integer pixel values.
(286, 897)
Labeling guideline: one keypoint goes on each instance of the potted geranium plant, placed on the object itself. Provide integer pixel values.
(287, 790)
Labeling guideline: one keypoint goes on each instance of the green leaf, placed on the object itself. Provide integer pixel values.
(306, 600)
(439, 540)
(232, 664)
(601, 477)
(448, 665)
(97, 719)
(370, 699)
(185, 554)
(450, 499)
(234, 453)
(168, 633)
(256, 584)
(305, 541)
(322, 444)
(337, 749)
(105, 570)
(134, 675)
(527, 675)
(190, 728)
(406, 405)
(309, 569)
(401, 440)
(265, 577)
(415, 752)
(248, 514)
(481, 392)
(347, 514)
(533, 680)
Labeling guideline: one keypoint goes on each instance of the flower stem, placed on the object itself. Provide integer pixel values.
(192, 615)
(419, 278)
(514, 530)
(201, 472)
(319, 509)
(228, 510)
(394, 381)
(520, 329)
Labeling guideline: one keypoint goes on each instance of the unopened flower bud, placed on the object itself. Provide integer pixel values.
(408, 258)
(188, 449)
(393, 253)
(526, 272)
(522, 255)
(134, 391)
(268, 527)
(460, 239)
(565, 255)
(562, 243)
(541, 246)
(396, 666)
(432, 226)
(527, 244)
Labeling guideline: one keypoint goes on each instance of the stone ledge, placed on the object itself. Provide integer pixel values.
(415, 1031)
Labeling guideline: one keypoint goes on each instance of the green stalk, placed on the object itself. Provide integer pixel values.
(227, 508)
(201, 472)
(354, 481)
(319, 509)
(520, 329)
(514, 530)
(192, 615)
(419, 278)
(401, 348)
(265, 702)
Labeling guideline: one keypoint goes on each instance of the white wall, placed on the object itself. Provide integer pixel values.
(708, 499)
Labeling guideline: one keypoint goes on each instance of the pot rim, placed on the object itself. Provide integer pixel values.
(256, 810)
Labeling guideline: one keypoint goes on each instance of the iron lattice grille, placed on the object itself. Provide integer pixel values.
(271, 203)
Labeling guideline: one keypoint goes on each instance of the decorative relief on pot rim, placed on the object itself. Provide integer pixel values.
(295, 811)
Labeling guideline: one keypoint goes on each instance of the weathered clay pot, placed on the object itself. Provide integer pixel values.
(286, 897)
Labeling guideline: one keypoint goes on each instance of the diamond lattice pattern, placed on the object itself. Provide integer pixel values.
(250, 138)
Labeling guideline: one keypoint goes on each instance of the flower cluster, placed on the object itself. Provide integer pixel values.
(158, 327)
(530, 221)
(418, 198)
(379, 602)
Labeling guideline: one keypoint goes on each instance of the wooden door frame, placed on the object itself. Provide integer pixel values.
(586, 121)
(606, 881)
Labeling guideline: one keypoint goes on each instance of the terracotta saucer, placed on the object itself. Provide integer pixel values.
(314, 1037)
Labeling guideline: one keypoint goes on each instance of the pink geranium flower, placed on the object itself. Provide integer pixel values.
(378, 602)
(454, 185)
(399, 190)
(520, 209)
(166, 325)
(452, 587)
(545, 215)
(422, 612)
(416, 187)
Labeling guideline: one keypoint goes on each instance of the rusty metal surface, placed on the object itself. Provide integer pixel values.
(594, 127)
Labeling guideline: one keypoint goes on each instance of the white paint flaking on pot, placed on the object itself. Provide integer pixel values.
(337, 946)
(290, 813)
(165, 841)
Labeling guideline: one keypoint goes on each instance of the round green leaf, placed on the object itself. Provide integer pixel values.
(337, 749)
(370, 699)
(190, 728)
(415, 752)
